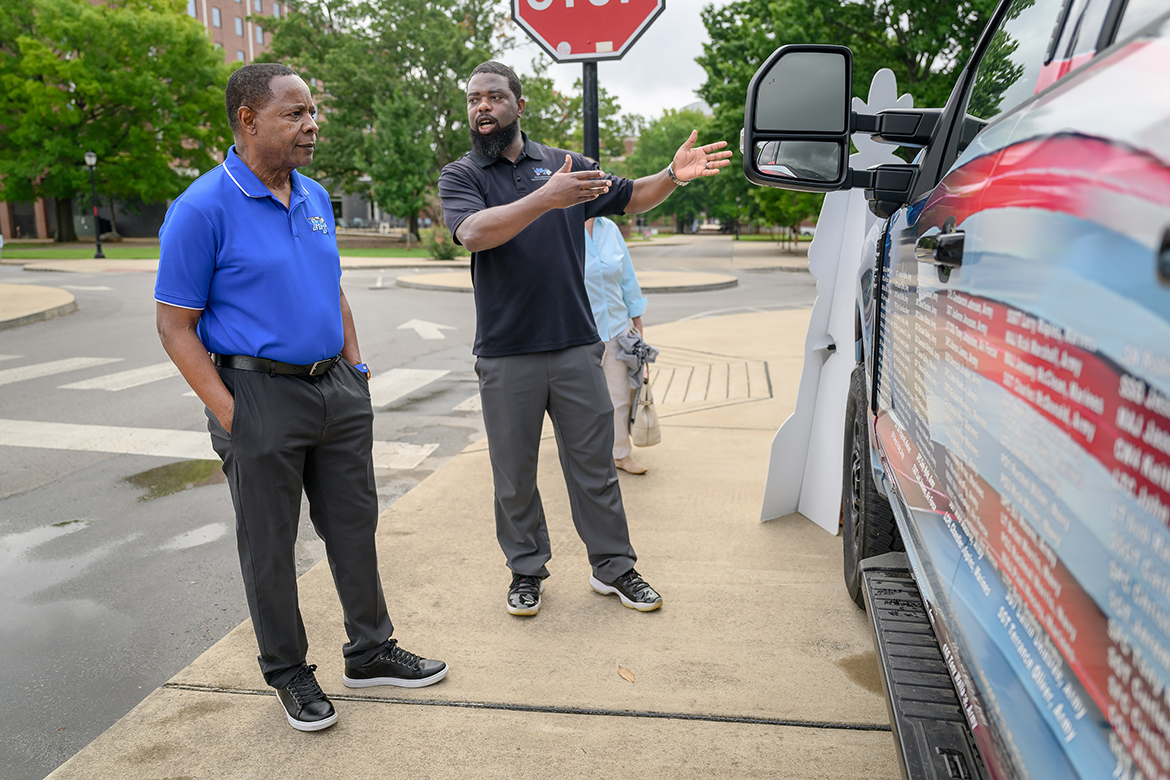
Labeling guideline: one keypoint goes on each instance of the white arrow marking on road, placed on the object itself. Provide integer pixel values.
(389, 387)
(159, 442)
(126, 379)
(38, 370)
(428, 330)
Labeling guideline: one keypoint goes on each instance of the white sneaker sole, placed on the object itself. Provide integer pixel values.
(609, 590)
(396, 681)
(301, 725)
(530, 610)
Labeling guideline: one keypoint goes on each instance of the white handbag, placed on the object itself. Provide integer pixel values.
(644, 428)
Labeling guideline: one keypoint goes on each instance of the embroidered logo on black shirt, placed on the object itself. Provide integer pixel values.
(541, 174)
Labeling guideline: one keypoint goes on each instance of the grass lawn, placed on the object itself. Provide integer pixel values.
(151, 253)
(50, 253)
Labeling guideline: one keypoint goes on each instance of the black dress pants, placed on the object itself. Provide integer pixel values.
(294, 433)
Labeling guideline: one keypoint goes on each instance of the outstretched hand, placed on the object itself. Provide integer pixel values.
(567, 187)
(691, 162)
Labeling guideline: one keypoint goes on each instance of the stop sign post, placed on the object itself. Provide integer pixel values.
(586, 31)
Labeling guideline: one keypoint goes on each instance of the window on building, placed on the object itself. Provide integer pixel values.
(276, 10)
(215, 19)
(239, 27)
(257, 7)
(312, 81)
(191, 8)
(239, 55)
(259, 35)
(218, 46)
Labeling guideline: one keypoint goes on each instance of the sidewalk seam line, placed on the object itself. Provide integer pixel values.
(555, 710)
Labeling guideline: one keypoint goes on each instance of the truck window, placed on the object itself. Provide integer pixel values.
(1137, 14)
(1008, 72)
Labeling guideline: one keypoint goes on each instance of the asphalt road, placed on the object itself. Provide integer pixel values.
(110, 591)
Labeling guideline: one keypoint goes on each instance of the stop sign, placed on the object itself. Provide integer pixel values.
(583, 30)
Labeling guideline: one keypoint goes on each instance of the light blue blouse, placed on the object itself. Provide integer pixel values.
(613, 289)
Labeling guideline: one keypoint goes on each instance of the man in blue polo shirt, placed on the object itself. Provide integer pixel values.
(520, 207)
(249, 272)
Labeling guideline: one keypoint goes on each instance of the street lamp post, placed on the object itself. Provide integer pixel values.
(91, 161)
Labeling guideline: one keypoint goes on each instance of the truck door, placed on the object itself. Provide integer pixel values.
(1024, 393)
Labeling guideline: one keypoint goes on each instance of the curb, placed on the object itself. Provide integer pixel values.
(40, 316)
(435, 287)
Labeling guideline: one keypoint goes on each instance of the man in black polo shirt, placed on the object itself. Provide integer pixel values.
(520, 207)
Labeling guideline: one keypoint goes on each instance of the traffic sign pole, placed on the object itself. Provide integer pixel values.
(586, 32)
(592, 134)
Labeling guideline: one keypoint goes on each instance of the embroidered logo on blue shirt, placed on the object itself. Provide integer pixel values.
(541, 174)
(318, 224)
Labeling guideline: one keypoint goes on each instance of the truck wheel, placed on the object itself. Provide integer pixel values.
(869, 526)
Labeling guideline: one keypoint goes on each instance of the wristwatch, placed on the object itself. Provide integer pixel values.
(673, 178)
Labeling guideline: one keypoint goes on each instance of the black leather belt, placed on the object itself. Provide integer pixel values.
(273, 367)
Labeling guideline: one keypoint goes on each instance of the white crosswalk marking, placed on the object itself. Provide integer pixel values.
(126, 379)
(400, 455)
(388, 387)
(163, 443)
(189, 445)
(473, 404)
(38, 370)
(10, 357)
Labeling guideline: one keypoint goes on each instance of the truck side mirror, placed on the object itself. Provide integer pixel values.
(797, 119)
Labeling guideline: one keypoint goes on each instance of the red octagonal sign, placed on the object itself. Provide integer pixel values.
(583, 30)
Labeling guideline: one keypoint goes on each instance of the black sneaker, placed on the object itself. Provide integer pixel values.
(524, 594)
(305, 704)
(634, 591)
(394, 666)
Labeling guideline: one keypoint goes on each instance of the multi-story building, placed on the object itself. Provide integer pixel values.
(229, 28)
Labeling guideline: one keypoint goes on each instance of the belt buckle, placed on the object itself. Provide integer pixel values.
(313, 368)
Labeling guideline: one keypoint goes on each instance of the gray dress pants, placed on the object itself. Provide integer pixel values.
(516, 391)
(313, 433)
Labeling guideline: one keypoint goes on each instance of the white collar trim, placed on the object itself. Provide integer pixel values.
(301, 187)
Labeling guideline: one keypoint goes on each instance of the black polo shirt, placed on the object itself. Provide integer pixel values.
(529, 292)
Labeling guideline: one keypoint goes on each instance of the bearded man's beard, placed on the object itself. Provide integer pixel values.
(494, 144)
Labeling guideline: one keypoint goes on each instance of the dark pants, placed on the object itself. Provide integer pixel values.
(569, 384)
(313, 433)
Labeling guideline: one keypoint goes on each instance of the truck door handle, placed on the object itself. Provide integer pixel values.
(942, 249)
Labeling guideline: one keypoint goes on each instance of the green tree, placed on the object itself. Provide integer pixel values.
(786, 208)
(557, 119)
(393, 103)
(135, 81)
(656, 147)
(924, 42)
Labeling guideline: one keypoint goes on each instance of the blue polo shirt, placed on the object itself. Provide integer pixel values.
(267, 278)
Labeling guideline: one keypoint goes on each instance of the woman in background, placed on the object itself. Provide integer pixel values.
(616, 300)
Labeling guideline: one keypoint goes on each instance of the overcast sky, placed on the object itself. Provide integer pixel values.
(658, 73)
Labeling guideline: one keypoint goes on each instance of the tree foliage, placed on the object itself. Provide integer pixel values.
(557, 118)
(656, 147)
(924, 42)
(393, 75)
(135, 81)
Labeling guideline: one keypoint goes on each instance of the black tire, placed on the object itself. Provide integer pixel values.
(869, 526)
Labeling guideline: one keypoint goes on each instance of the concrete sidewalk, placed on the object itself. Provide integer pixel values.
(21, 304)
(758, 664)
